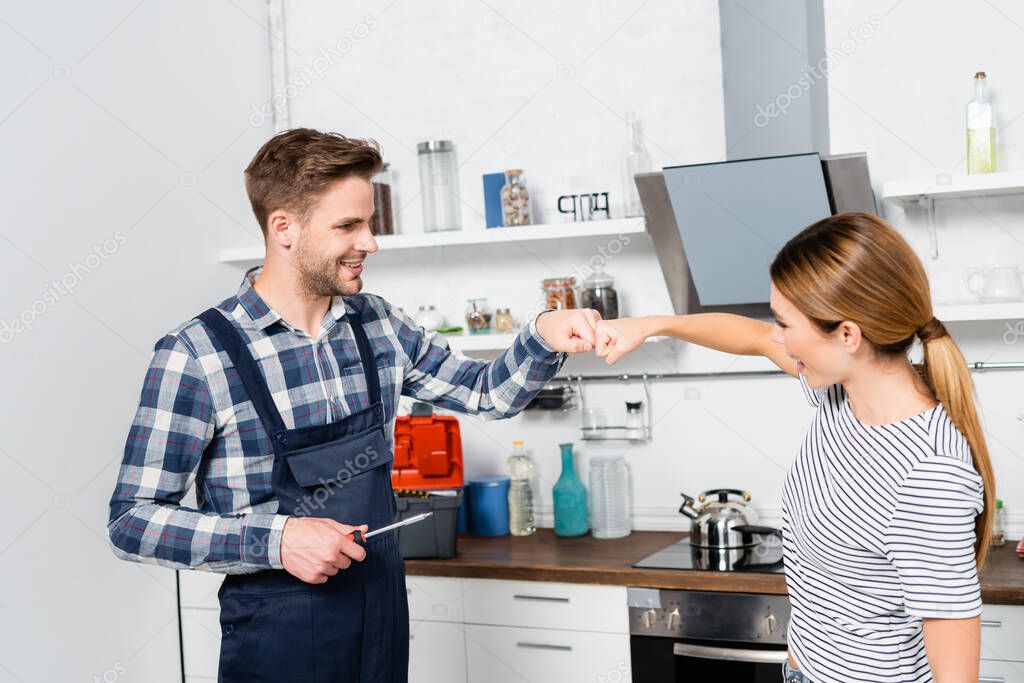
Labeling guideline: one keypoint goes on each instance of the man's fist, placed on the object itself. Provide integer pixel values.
(313, 549)
(570, 331)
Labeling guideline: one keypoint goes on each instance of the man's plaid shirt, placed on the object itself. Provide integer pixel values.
(195, 424)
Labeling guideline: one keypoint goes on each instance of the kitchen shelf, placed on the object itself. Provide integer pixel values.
(924, 192)
(484, 236)
(1013, 310)
(952, 187)
(496, 341)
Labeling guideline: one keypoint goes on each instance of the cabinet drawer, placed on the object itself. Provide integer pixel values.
(1001, 672)
(569, 606)
(434, 598)
(1002, 632)
(200, 642)
(501, 654)
(199, 589)
(437, 652)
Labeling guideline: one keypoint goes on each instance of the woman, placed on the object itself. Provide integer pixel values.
(887, 508)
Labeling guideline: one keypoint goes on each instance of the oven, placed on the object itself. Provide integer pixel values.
(706, 636)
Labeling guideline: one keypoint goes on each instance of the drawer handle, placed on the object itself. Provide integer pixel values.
(541, 598)
(545, 646)
(992, 623)
(991, 679)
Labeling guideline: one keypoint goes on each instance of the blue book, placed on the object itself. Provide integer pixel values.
(493, 182)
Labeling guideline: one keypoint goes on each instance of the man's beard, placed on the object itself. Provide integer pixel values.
(318, 274)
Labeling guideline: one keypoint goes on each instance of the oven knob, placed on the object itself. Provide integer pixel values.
(673, 619)
(648, 618)
(771, 624)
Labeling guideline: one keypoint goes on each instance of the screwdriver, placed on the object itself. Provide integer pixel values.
(360, 537)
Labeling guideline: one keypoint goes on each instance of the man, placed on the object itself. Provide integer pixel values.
(279, 404)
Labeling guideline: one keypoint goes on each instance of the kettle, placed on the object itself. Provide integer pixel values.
(723, 523)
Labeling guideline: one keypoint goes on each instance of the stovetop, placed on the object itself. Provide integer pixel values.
(764, 557)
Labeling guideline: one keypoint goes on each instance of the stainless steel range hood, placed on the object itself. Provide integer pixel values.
(847, 188)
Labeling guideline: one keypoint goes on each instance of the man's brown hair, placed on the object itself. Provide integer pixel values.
(293, 168)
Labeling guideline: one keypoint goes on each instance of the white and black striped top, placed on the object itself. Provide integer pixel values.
(878, 528)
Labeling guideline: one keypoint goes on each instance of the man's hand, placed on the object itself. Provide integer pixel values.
(615, 338)
(570, 331)
(313, 549)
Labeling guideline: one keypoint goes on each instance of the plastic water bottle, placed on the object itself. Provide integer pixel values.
(520, 494)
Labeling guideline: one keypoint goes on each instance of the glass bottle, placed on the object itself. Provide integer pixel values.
(634, 420)
(981, 132)
(439, 185)
(515, 199)
(999, 525)
(382, 222)
(570, 498)
(635, 160)
(520, 492)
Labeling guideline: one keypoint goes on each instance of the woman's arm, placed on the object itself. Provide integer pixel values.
(725, 332)
(953, 647)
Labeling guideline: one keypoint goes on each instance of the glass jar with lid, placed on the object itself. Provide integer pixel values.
(515, 199)
(382, 222)
(559, 292)
(439, 185)
(503, 320)
(598, 293)
(478, 317)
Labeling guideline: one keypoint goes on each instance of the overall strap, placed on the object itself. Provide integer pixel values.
(366, 355)
(248, 370)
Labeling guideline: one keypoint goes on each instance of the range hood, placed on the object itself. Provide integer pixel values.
(718, 228)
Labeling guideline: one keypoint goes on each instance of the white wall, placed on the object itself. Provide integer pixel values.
(900, 97)
(104, 107)
(663, 61)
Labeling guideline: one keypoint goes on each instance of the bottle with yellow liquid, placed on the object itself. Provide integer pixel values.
(981, 133)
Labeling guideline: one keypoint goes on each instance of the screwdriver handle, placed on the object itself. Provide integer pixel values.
(357, 537)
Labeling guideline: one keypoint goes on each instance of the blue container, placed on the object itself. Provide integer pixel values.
(488, 505)
(493, 182)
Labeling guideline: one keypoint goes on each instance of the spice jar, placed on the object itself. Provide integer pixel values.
(382, 222)
(558, 292)
(515, 199)
(503, 321)
(478, 318)
(597, 293)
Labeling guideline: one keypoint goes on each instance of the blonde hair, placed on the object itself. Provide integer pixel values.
(855, 266)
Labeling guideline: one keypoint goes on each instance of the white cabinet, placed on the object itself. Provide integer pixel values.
(437, 652)
(200, 624)
(1000, 672)
(567, 606)
(1002, 635)
(503, 654)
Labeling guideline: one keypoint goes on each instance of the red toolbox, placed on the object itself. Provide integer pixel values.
(427, 476)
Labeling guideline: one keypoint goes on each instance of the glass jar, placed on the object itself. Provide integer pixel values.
(634, 420)
(439, 185)
(382, 222)
(478, 318)
(598, 293)
(515, 199)
(503, 321)
(559, 292)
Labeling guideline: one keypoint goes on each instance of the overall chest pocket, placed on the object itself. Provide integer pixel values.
(347, 479)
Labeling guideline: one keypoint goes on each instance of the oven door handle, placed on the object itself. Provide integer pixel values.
(730, 654)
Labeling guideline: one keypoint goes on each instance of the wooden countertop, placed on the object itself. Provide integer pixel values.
(585, 559)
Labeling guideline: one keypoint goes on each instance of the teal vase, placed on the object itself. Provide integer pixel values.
(570, 499)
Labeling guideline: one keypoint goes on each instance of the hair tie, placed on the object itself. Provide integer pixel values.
(933, 329)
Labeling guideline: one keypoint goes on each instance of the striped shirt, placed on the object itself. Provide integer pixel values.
(878, 529)
(196, 426)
